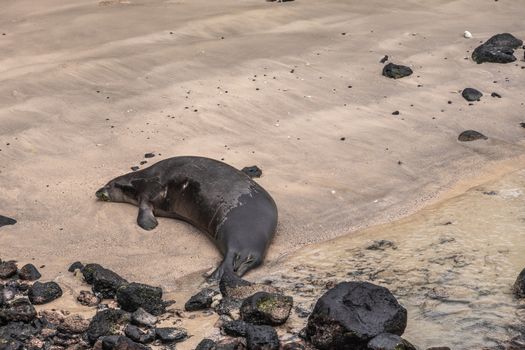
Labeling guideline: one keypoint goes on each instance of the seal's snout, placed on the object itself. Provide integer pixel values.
(103, 194)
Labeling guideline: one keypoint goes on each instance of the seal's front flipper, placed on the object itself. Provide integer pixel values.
(146, 219)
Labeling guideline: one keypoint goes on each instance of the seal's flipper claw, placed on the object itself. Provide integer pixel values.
(146, 219)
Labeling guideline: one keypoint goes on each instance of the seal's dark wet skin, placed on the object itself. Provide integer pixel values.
(4, 221)
(235, 212)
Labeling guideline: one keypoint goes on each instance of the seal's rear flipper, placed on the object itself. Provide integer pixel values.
(226, 267)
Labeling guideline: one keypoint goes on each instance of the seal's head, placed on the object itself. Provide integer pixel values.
(117, 190)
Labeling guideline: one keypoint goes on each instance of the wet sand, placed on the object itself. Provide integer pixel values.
(89, 87)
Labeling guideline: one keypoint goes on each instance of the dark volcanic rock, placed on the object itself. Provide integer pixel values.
(266, 309)
(19, 310)
(230, 283)
(121, 343)
(4, 221)
(206, 344)
(522, 124)
(171, 334)
(471, 135)
(471, 94)
(75, 265)
(228, 306)
(29, 273)
(230, 344)
(87, 298)
(519, 285)
(105, 323)
(134, 295)
(17, 331)
(388, 341)
(495, 94)
(201, 300)
(262, 338)
(505, 39)
(7, 269)
(43, 293)
(106, 283)
(136, 334)
(352, 313)
(143, 318)
(235, 328)
(252, 171)
(149, 155)
(395, 71)
(89, 271)
(498, 49)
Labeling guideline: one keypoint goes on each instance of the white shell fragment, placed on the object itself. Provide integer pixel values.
(467, 34)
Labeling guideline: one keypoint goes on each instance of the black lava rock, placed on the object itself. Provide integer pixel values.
(105, 323)
(19, 310)
(505, 39)
(471, 135)
(134, 295)
(201, 300)
(228, 306)
(121, 343)
(519, 285)
(495, 94)
(498, 49)
(266, 309)
(349, 315)
(235, 328)
(7, 269)
(149, 155)
(29, 273)
(87, 298)
(136, 334)
(106, 283)
(17, 332)
(229, 282)
(522, 125)
(206, 344)
(262, 338)
(388, 341)
(75, 265)
(89, 271)
(395, 71)
(252, 171)
(171, 334)
(43, 293)
(230, 344)
(4, 221)
(471, 94)
(143, 318)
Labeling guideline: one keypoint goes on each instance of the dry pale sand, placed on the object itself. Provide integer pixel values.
(88, 87)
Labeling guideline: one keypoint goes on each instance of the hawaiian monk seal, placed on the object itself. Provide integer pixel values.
(236, 213)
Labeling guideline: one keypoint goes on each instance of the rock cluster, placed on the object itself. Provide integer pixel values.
(132, 326)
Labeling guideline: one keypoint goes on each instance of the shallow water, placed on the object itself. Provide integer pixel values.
(451, 265)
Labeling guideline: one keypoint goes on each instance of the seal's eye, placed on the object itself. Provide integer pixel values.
(126, 189)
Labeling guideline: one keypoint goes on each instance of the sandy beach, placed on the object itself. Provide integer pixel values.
(88, 87)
